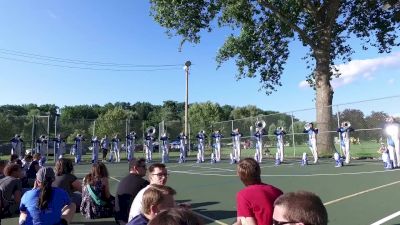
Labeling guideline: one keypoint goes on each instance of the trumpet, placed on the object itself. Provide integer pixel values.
(260, 124)
(151, 130)
(279, 129)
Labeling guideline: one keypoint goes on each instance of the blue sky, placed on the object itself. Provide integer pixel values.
(123, 32)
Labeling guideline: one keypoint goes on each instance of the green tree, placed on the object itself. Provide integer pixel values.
(375, 121)
(247, 111)
(263, 29)
(203, 115)
(113, 122)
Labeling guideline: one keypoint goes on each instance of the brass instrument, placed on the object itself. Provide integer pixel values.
(307, 126)
(151, 130)
(346, 124)
(260, 124)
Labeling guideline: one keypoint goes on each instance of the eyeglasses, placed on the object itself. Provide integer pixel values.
(160, 175)
(275, 222)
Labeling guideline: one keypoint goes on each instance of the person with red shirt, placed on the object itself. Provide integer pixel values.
(255, 202)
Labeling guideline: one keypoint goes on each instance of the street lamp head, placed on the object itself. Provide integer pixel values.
(188, 63)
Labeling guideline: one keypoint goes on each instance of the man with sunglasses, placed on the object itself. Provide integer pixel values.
(128, 188)
(157, 174)
(299, 208)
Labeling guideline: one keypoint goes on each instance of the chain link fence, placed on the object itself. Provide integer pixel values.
(364, 140)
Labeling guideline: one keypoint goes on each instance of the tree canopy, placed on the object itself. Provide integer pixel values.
(263, 29)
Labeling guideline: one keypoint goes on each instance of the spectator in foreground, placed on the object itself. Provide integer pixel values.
(3, 164)
(157, 174)
(11, 189)
(255, 202)
(45, 204)
(155, 199)
(68, 181)
(176, 216)
(299, 208)
(97, 202)
(128, 188)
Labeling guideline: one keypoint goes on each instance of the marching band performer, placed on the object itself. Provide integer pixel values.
(41, 148)
(216, 156)
(235, 155)
(280, 145)
(59, 145)
(258, 135)
(385, 156)
(105, 143)
(115, 150)
(201, 138)
(182, 141)
(16, 145)
(149, 139)
(130, 145)
(78, 148)
(392, 131)
(164, 148)
(312, 139)
(344, 131)
(95, 151)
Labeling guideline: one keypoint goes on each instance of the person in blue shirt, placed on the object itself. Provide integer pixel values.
(312, 139)
(45, 204)
(344, 131)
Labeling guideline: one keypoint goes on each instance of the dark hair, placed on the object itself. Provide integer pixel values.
(249, 171)
(176, 216)
(36, 156)
(156, 165)
(45, 194)
(136, 163)
(28, 157)
(99, 170)
(13, 157)
(11, 168)
(303, 207)
(3, 163)
(64, 166)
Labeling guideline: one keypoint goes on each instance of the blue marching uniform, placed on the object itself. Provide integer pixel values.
(182, 147)
(216, 156)
(258, 135)
(78, 145)
(115, 150)
(130, 145)
(164, 148)
(59, 145)
(280, 145)
(149, 139)
(201, 138)
(41, 148)
(17, 146)
(95, 151)
(392, 129)
(312, 140)
(344, 133)
(235, 155)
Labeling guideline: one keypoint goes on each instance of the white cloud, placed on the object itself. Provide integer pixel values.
(364, 69)
(391, 81)
(303, 84)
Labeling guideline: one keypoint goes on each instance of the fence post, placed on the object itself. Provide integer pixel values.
(33, 133)
(294, 143)
(94, 127)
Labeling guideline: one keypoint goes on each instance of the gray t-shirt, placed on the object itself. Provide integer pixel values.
(8, 185)
(65, 182)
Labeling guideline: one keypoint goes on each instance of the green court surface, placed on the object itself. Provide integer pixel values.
(360, 193)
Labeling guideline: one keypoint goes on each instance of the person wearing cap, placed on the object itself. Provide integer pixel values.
(45, 204)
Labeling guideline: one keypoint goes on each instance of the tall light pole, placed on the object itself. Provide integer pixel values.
(187, 67)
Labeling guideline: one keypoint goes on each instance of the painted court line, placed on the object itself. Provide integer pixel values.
(283, 175)
(360, 193)
(209, 218)
(384, 220)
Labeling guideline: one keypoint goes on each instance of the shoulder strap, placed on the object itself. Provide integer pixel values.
(95, 198)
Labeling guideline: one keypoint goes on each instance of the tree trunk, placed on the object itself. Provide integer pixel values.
(324, 97)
